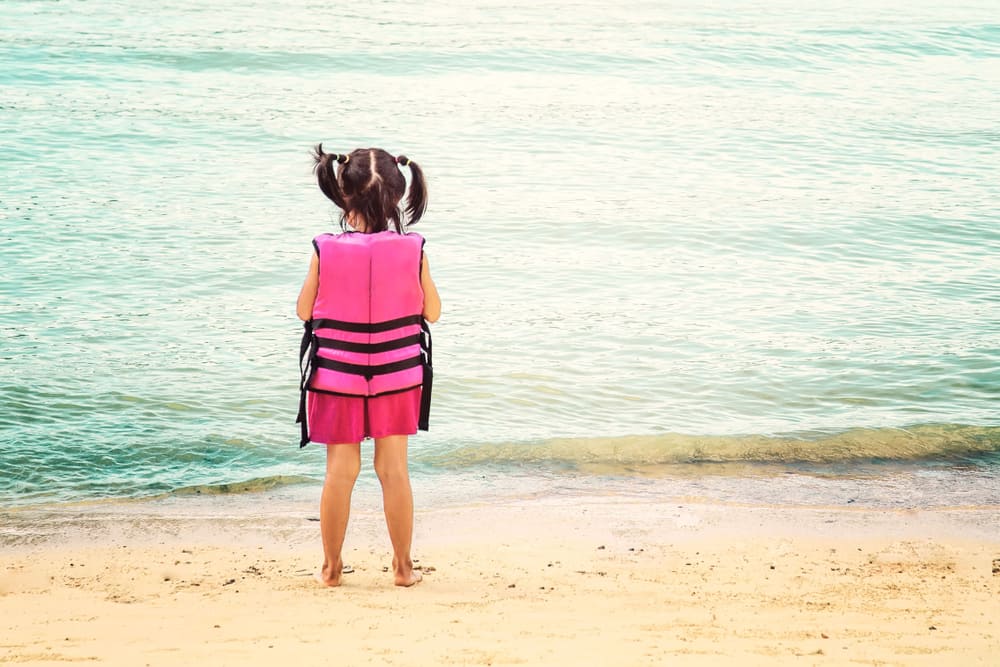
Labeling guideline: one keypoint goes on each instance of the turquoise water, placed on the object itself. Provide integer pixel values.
(757, 233)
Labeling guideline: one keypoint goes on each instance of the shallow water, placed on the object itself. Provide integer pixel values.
(776, 222)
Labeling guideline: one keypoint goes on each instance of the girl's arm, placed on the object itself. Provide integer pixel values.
(307, 295)
(432, 302)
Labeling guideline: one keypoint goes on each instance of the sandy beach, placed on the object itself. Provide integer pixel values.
(583, 581)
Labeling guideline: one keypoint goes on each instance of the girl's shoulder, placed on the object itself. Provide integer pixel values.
(326, 236)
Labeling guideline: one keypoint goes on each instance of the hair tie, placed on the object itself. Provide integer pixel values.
(403, 160)
(342, 159)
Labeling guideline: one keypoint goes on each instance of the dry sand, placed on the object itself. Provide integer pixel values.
(588, 581)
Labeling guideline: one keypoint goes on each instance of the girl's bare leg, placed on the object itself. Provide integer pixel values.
(343, 463)
(397, 500)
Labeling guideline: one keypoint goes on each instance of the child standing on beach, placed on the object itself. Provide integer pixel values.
(366, 359)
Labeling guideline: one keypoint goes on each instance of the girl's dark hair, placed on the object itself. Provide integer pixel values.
(368, 182)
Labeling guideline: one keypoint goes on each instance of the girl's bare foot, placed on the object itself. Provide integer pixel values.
(405, 575)
(405, 580)
(329, 575)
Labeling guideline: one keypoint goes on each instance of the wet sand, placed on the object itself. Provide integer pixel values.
(587, 581)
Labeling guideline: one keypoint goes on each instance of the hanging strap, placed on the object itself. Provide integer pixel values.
(305, 367)
(423, 422)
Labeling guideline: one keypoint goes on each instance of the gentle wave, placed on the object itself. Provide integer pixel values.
(248, 486)
(950, 442)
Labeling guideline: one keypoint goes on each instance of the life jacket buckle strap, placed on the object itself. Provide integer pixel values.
(423, 421)
(307, 348)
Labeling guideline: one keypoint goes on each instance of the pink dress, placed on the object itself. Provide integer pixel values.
(339, 420)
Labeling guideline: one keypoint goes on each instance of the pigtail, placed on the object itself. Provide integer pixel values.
(416, 200)
(326, 174)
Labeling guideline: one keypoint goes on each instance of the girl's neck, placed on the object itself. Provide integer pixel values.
(357, 223)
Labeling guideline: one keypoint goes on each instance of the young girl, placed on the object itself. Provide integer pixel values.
(366, 352)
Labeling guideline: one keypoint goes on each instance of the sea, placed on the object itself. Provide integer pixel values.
(740, 251)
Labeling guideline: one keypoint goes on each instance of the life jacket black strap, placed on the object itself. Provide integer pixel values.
(368, 348)
(423, 422)
(305, 370)
(368, 371)
(365, 327)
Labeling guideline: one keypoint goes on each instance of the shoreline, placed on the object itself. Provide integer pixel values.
(598, 579)
(885, 467)
(261, 518)
(290, 512)
(888, 486)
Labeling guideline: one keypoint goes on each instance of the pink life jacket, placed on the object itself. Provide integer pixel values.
(367, 336)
